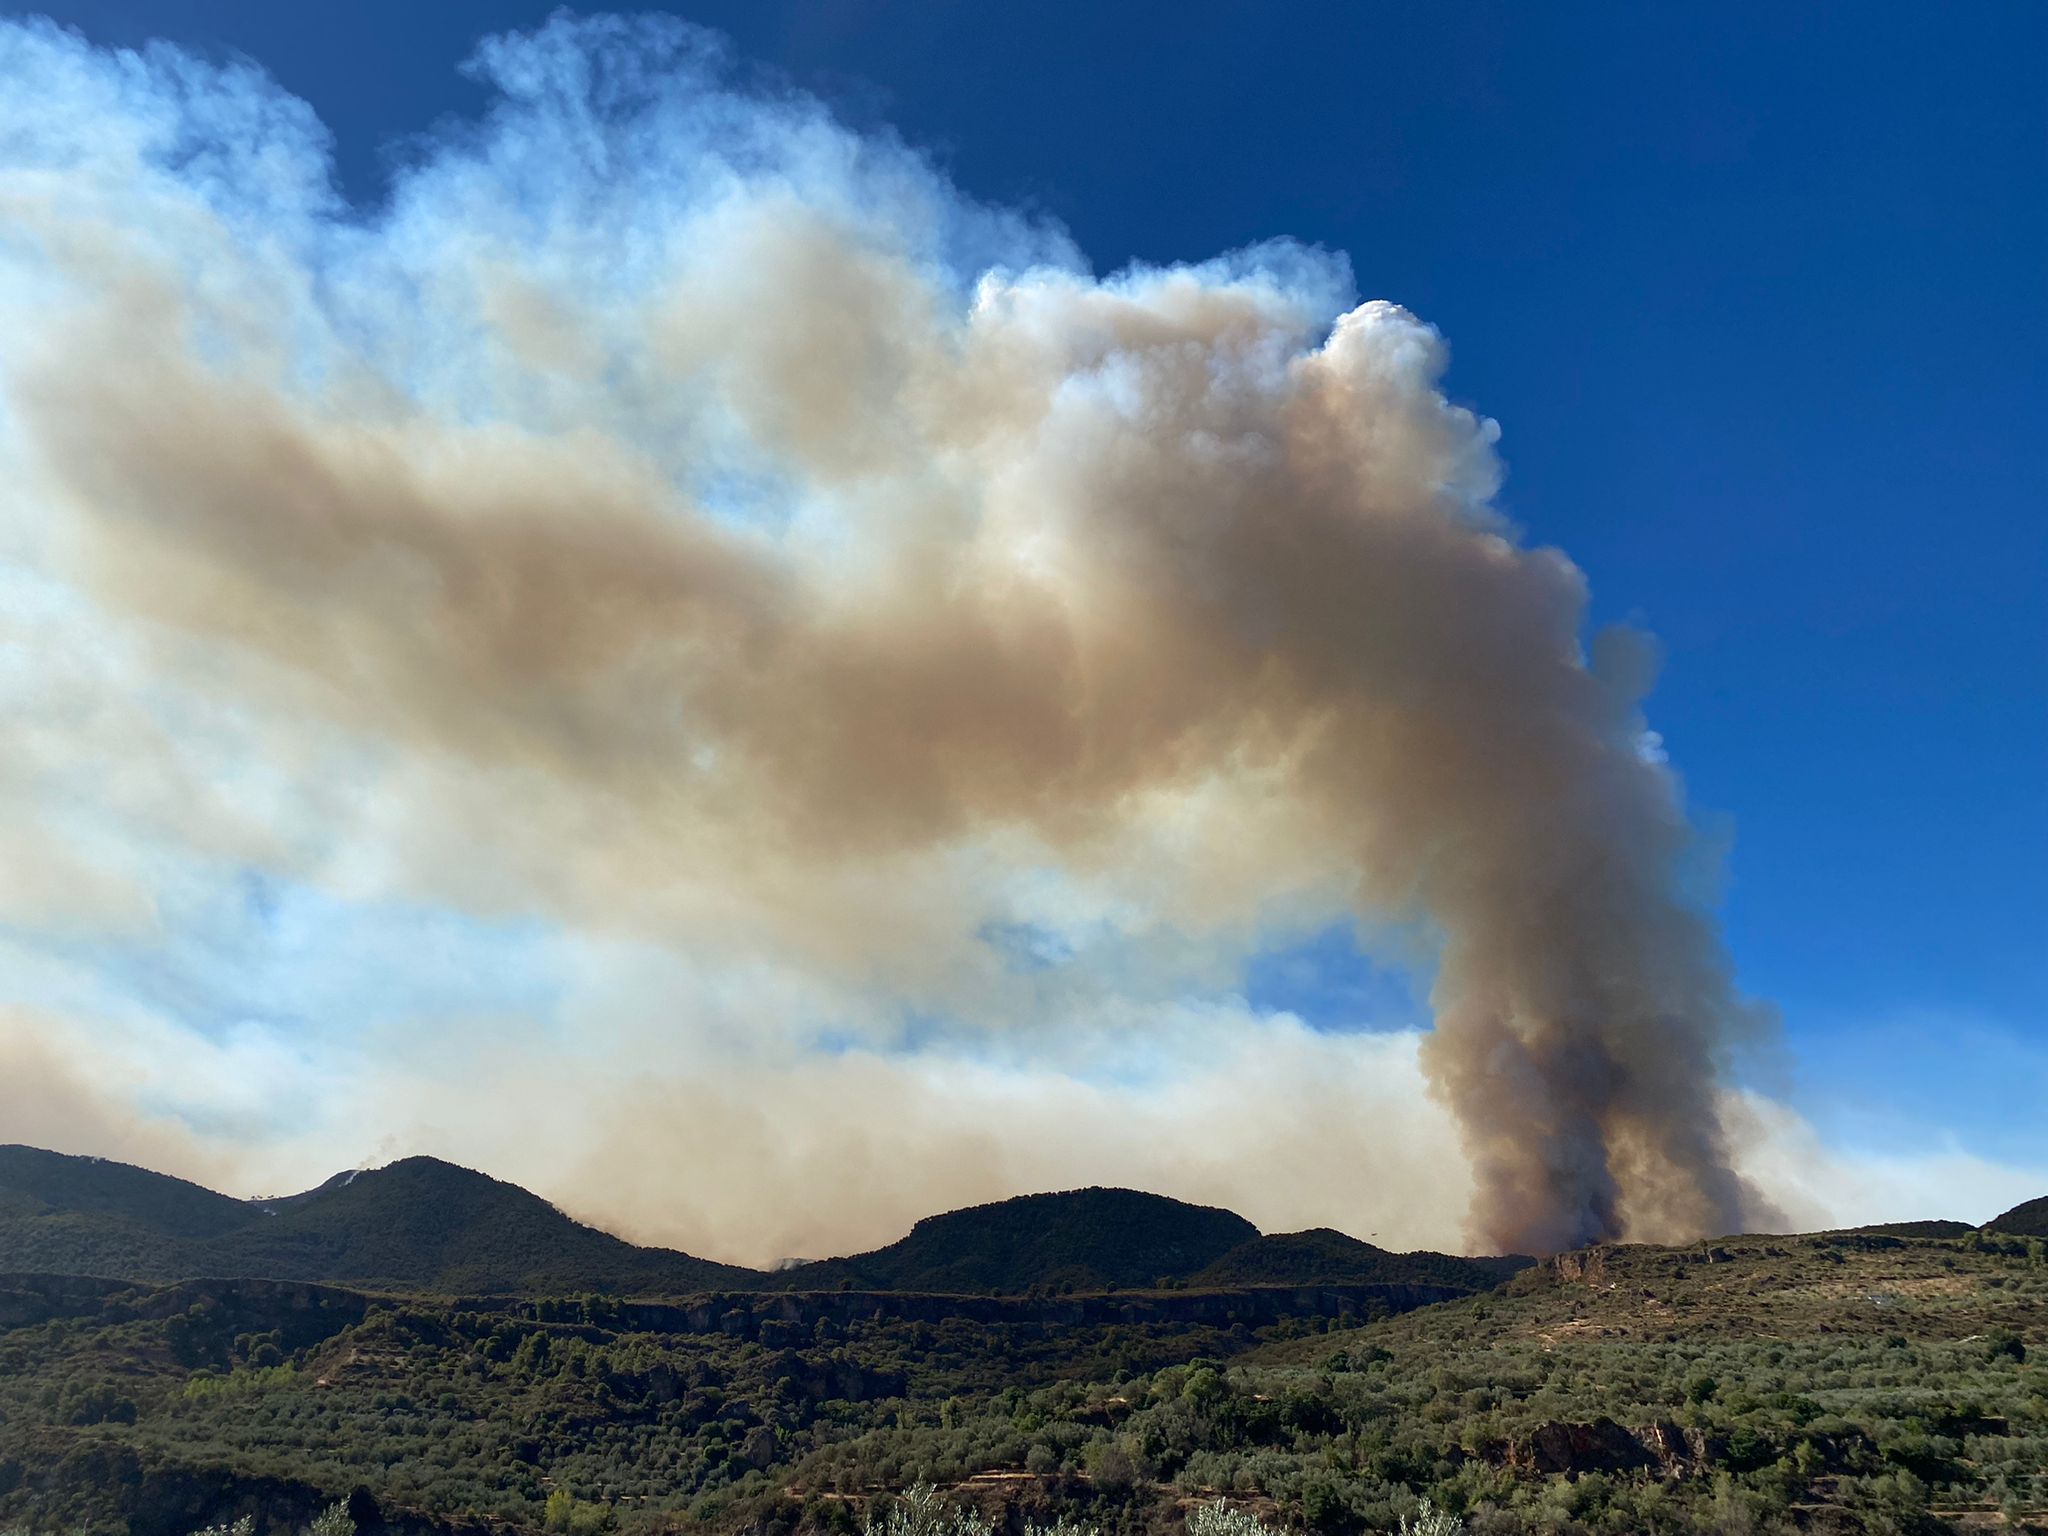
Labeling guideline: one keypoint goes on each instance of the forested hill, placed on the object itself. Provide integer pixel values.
(1324, 1257)
(422, 1225)
(1088, 1239)
(2028, 1220)
(98, 1191)
(417, 1225)
(1098, 1239)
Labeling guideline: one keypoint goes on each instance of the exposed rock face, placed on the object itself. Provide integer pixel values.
(1569, 1450)
(1586, 1267)
(1601, 1446)
(758, 1450)
(1680, 1452)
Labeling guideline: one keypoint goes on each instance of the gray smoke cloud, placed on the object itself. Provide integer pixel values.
(702, 520)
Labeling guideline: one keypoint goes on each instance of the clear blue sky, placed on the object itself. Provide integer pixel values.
(1758, 293)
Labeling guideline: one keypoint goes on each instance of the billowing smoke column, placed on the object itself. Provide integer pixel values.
(756, 504)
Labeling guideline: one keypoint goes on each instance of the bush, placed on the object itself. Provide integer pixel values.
(1217, 1518)
(924, 1511)
(1430, 1521)
(565, 1512)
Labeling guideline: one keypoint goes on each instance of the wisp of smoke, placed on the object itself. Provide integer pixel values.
(754, 534)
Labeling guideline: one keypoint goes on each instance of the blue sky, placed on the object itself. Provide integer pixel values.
(1756, 294)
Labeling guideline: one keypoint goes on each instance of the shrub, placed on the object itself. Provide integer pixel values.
(1217, 1518)
(1431, 1521)
(565, 1512)
(924, 1511)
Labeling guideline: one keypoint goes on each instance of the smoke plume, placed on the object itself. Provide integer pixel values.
(678, 514)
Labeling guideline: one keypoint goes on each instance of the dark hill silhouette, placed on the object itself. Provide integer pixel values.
(417, 1225)
(51, 1183)
(2028, 1220)
(1087, 1238)
(423, 1225)
(1322, 1256)
(88, 1215)
(1935, 1228)
(428, 1225)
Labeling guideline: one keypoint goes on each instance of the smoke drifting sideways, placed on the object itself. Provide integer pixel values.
(761, 541)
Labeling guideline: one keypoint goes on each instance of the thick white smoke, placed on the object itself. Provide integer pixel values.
(677, 515)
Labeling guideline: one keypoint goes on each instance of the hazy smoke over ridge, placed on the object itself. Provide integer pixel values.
(755, 540)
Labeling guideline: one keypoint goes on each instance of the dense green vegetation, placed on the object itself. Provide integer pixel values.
(34, 1182)
(1838, 1383)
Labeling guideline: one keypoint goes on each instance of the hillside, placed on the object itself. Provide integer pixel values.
(2028, 1220)
(87, 1215)
(33, 1181)
(1087, 1239)
(1828, 1385)
(1906, 1229)
(417, 1225)
(422, 1224)
(1325, 1257)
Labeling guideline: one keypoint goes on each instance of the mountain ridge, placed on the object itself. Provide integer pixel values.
(416, 1224)
(1323, 1255)
(2027, 1219)
(1088, 1239)
(425, 1225)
